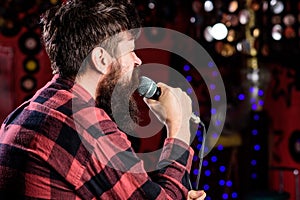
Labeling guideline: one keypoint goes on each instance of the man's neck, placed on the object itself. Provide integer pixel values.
(89, 82)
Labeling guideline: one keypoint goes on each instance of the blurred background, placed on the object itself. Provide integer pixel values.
(255, 45)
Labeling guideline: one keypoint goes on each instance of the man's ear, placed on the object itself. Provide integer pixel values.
(101, 59)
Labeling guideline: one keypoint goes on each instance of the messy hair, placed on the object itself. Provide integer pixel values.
(73, 29)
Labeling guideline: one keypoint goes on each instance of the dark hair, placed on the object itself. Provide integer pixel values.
(72, 30)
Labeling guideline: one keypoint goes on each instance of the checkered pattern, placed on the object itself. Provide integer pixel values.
(59, 146)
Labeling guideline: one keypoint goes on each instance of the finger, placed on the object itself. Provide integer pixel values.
(198, 195)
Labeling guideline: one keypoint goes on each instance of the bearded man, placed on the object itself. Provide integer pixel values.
(64, 143)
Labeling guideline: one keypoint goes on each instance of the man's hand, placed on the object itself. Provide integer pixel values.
(174, 109)
(196, 195)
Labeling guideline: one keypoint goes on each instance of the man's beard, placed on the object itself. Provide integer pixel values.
(114, 96)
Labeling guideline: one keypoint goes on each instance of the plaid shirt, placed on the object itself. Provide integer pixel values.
(58, 145)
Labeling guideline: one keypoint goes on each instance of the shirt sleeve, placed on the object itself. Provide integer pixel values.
(114, 171)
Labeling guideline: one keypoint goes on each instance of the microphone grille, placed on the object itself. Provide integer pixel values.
(147, 87)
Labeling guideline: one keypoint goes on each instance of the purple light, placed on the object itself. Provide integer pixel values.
(252, 89)
(189, 91)
(241, 97)
(186, 68)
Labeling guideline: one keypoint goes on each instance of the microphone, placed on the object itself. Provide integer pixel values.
(148, 89)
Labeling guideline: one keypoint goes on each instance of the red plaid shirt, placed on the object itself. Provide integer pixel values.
(59, 145)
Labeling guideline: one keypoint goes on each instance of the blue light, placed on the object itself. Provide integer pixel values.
(217, 98)
(207, 198)
(215, 73)
(189, 78)
(225, 196)
(214, 159)
(256, 117)
(229, 183)
(241, 97)
(196, 172)
(254, 107)
(222, 168)
(221, 182)
(254, 132)
(186, 68)
(252, 89)
(207, 172)
(261, 102)
(253, 162)
(199, 133)
(195, 158)
(189, 91)
(257, 147)
(218, 123)
(205, 163)
(210, 64)
(200, 139)
(261, 93)
(220, 147)
(206, 187)
(199, 146)
(215, 135)
(234, 195)
(212, 86)
(213, 111)
(254, 176)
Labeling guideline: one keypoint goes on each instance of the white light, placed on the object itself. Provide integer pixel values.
(277, 32)
(253, 77)
(208, 6)
(244, 16)
(219, 31)
(276, 6)
(151, 5)
(207, 34)
(192, 20)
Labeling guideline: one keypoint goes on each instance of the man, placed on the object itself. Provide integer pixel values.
(64, 144)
